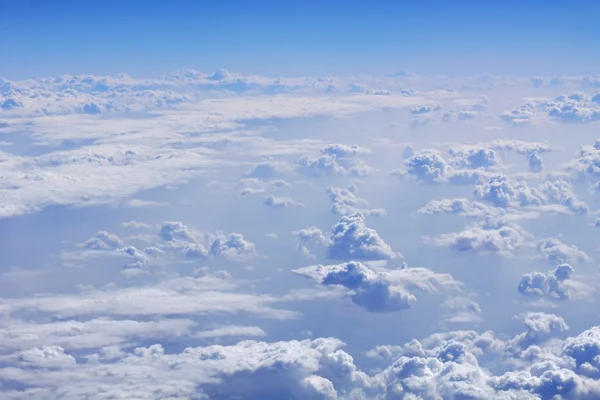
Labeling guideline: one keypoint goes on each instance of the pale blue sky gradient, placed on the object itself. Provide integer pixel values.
(291, 38)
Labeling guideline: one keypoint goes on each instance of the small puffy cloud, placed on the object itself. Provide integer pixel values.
(536, 164)
(352, 239)
(464, 310)
(346, 202)
(426, 109)
(269, 170)
(344, 151)
(253, 186)
(474, 157)
(519, 146)
(468, 166)
(540, 327)
(135, 225)
(348, 239)
(324, 165)
(466, 115)
(586, 164)
(520, 115)
(311, 235)
(500, 192)
(472, 209)
(556, 252)
(554, 284)
(379, 291)
(491, 235)
(103, 241)
(181, 239)
(428, 166)
(281, 202)
(574, 108)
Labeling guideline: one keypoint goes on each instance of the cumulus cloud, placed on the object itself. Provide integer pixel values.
(491, 235)
(348, 239)
(556, 252)
(462, 206)
(379, 291)
(352, 239)
(346, 202)
(501, 192)
(536, 164)
(554, 284)
(281, 202)
(103, 241)
(467, 166)
(269, 170)
(344, 151)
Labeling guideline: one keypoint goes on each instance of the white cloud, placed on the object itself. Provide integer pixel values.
(383, 290)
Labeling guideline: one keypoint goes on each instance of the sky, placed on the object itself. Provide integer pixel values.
(295, 38)
(299, 200)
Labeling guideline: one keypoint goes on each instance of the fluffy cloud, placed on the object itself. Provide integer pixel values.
(556, 252)
(491, 235)
(181, 238)
(554, 285)
(472, 209)
(352, 239)
(349, 239)
(346, 202)
(500, 192)
(536, 164)
(344, 151)
(379, 291)
(281, 202)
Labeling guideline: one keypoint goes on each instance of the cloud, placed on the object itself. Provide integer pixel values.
(89, 334)
(103, 241)
(349, 239)
(379, 291)
(344, 151)
(253, 186)
(269, 170)
(491, 235)
(170, 297)
(467, 167)
(554, 284)
(474, 158)
(281, 202)
(181, 238)
(500, 192)
(135, 225)
(143, 203)
(352, 239)
(462, 206)
(428, 166)
(425, 109)
(536, 164)
(346, 202)
(540, 327)
(330, 164)
(556, 252)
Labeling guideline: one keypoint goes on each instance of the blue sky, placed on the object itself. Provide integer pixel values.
(288, 38)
